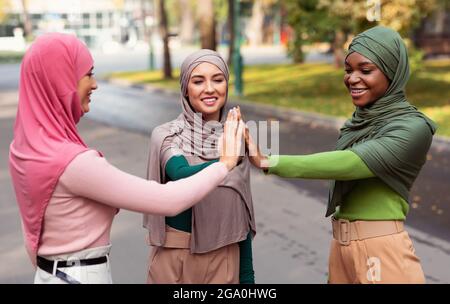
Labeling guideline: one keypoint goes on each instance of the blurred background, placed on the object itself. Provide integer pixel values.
(286, 58)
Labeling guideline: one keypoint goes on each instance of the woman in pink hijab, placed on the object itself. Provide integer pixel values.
(68, 194)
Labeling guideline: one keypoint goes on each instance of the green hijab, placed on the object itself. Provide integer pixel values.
(391, 136)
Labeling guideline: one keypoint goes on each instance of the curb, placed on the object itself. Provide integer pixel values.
(293, 115)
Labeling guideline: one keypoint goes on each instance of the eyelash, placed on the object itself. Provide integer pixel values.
(197, 82)
(91, 74)
(366, 72)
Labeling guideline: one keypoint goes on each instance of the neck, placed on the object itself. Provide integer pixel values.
(209, 117)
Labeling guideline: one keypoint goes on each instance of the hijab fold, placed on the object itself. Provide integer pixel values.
(391, 136)
(45, 134)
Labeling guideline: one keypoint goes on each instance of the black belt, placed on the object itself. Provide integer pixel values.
(47, 265)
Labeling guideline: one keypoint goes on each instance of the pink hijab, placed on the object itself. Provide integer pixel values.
(46, 139)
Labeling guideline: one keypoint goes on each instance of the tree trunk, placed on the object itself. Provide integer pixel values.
(440, 21)
(164, 32)
(338, 49)
(27, 28)
(187, 22)
(231, 34)
(255, 27)
(207, 24)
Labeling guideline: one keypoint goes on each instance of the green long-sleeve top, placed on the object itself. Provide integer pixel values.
(177, 168)
(370, 199)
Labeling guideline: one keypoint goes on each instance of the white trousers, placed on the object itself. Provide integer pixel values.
(91, 274)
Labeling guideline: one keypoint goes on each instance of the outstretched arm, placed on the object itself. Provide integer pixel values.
(91, 176)
(337, 165)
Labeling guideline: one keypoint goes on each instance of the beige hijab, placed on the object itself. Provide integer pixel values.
(224, 216)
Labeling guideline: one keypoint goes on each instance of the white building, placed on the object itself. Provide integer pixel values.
(96, 22)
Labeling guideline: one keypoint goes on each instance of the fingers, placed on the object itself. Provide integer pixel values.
(240, 133)
(247, 134)
(238, 111)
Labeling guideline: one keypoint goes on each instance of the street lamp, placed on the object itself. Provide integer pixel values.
(237, 57)
(151, 58)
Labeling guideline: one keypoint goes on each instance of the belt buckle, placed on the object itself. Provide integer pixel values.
(344, 236)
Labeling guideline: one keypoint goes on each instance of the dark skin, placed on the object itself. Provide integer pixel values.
(365, 82)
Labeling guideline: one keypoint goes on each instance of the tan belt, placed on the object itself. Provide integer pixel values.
(177, 239)
(345, 231)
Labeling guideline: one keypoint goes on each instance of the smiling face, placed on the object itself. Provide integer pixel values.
(364, 80)
(207, 90)
(85, 87)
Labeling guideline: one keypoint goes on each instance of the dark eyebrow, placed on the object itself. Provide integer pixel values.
(365, 63)
(201, 76)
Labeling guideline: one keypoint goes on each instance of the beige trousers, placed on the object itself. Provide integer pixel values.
(388, 259)
(174, 265)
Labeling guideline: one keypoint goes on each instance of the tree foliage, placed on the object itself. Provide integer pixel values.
(335, 21)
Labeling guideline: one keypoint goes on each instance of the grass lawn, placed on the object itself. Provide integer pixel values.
(10, 56)
(318, 87)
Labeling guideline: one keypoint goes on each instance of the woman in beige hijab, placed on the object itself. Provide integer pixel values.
(211, 242)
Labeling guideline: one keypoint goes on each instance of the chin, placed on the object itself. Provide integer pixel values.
(360, 103)
(209, 111)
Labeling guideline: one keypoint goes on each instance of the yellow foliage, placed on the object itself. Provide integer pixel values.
(401, 15)
(4, 5)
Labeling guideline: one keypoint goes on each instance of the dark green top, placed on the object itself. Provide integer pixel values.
(370, 199)
(177, 168)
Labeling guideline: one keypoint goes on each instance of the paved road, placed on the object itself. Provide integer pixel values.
(293, 236)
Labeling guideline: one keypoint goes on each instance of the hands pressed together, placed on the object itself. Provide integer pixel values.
(231, 142)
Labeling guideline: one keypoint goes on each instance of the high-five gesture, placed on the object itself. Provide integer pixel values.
(257, 159)
(231, 141)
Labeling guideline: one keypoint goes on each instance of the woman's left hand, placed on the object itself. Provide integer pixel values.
(257, 159)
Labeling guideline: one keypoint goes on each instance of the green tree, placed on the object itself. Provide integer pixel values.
(335, 21)
(309, 23)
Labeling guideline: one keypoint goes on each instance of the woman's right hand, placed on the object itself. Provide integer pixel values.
(231, 142)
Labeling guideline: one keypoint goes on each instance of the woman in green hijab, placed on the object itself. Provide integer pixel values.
(379, 154)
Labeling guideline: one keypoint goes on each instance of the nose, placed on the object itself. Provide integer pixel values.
(209, 87)
(353, 79)
(94, 85)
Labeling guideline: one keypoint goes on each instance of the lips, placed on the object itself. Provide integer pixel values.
(209, 101)
(357, 92)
